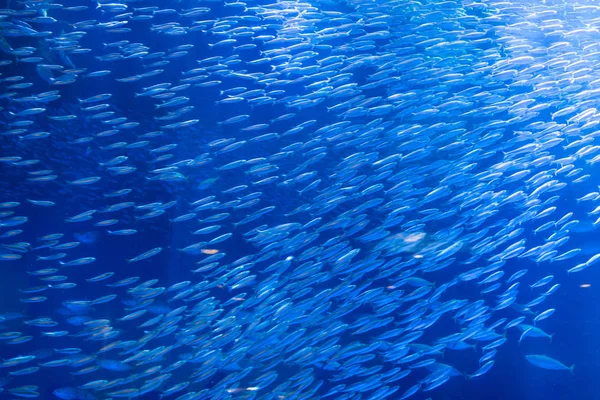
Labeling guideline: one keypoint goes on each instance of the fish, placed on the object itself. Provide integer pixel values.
(313, 189)
(545, 362)
(145, 255)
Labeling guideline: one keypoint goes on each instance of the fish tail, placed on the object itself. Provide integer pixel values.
(572, 369)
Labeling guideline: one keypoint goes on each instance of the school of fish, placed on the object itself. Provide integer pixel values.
(353, 191)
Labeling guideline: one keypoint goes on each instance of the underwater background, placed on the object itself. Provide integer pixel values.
(299, 200)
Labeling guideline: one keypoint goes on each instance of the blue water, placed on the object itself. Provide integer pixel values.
(574, 325)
